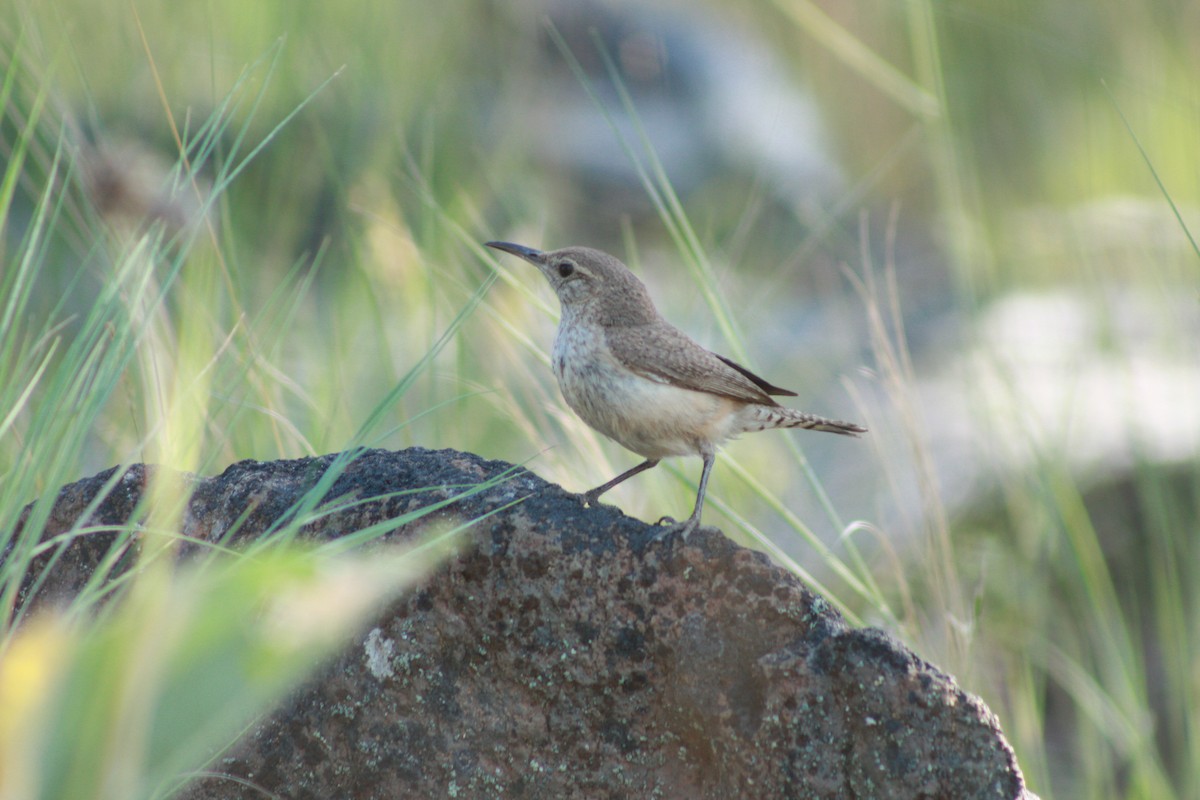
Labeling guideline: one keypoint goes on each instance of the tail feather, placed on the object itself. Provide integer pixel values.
(764, 417)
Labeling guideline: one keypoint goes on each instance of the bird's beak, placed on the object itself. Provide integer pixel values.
(528, 253)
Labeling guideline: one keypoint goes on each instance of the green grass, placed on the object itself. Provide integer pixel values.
(334, 294)
(162, 363)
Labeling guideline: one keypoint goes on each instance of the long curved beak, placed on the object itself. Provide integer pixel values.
(528, 253)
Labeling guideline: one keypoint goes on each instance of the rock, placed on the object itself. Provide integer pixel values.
(566, 653)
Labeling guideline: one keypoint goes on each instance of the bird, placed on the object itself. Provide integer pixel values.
(642, 382)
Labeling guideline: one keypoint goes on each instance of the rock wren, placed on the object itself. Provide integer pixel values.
(641, 381)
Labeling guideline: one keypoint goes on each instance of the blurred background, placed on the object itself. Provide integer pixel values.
(966, 225)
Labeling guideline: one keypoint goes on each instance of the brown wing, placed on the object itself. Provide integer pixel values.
(759, 382)
(676, 359)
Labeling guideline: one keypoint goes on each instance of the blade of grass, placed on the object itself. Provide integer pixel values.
(859, 57)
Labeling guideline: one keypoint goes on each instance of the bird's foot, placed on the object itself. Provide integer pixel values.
(669, 528)
(591, 499)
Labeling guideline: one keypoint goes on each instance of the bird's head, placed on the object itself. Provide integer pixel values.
(583, 277)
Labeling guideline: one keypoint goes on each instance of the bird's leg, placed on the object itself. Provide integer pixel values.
(691, 523)
(594, 495)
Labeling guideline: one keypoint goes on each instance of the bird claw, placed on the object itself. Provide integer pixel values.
(673, 529)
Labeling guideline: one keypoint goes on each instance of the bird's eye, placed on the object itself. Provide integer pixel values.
(566, 269)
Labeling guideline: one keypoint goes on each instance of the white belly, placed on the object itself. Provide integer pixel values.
(650, 418)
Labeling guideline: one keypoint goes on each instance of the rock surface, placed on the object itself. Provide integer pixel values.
(565, 653)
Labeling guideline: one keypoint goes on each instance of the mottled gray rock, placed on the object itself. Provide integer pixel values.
(565, 653)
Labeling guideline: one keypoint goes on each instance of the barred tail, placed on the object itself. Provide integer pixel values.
(758, 418)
